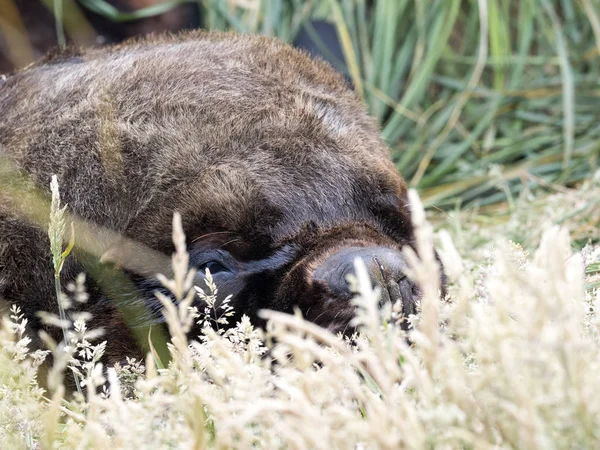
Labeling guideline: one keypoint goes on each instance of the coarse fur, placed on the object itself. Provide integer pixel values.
(268, 155)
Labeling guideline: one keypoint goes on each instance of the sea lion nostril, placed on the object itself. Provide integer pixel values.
(386, 268)
(380, 265)
(392, 273)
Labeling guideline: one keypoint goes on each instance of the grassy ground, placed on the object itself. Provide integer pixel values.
(508, 360)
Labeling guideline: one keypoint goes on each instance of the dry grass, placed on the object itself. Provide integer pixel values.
(510, 360)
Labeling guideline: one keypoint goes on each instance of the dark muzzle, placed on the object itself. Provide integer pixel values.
(386, 268)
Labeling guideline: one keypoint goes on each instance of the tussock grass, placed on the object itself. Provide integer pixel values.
(508, 360)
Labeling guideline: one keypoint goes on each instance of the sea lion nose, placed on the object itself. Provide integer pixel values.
(386, 268)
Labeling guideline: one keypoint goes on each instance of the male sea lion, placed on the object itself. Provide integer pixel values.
(280, 176)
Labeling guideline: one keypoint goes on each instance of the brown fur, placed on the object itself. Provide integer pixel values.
(265, 153)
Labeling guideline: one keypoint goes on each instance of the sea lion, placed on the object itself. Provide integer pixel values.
(278, 172)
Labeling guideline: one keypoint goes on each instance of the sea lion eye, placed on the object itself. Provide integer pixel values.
(214, 267)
